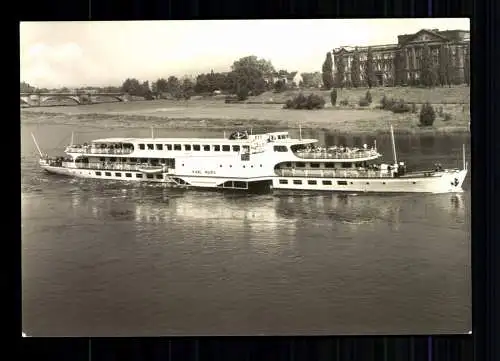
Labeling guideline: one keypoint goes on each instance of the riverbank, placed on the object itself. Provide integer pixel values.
(217, 115)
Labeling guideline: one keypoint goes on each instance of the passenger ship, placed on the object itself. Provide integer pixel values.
(269, 161)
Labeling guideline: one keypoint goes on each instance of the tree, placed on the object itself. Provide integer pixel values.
(443, 65)
(132, 87)
(399, 68)
(355, 70)
(311, 80)
(328, 71)
(450, 68)
(467, 65)
(161, 85)
(339, 72)
(370, 69)
(280, 86)
(173, 86)
(427, 71)
(251, 61)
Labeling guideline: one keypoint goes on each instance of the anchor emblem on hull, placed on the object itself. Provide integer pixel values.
(455, 182)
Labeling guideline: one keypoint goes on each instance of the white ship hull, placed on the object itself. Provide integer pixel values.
(446, 182)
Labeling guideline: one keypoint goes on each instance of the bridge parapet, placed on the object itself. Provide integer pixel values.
(37, 99)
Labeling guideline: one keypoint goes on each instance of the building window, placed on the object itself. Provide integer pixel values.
(141, 147)
(150, 146)
(187, 147)
(177, 147)
(327, 183)
(226, 148)
(297, 181)
(283, 181)
(159, 146)
(196, 147)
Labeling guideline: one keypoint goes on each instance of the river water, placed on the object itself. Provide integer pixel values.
(117, 259)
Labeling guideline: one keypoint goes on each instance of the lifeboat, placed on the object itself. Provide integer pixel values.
(151, 169)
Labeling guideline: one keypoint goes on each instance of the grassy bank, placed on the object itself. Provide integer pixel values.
(217, 115)
(440, 95)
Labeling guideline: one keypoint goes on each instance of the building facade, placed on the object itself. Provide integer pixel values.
(409, 48)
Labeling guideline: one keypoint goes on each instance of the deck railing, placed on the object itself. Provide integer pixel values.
(91, 150)
(107, 166)
(333, 173)
(336, 155)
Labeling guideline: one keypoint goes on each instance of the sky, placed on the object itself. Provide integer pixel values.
(74, 54)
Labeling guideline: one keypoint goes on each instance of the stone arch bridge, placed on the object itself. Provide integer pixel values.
(37, 99)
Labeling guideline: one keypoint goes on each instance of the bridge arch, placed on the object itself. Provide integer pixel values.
(25, 101)
(74, 98)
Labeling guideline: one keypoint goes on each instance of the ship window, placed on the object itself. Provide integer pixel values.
(280, 148)
(107, 174)
(383, 182)
(118, 174)
(283, 181)
(141, 146)
(300, 165)
(342, 183)
(359, 165)
(196, 147)
(97, 173)
(329, 165)
(128, 175)
(346, 165)
(112, 159)
(226, 148)
(159, 146)
(236, 148)
(216, 148)
(177, 147)
(297, 181)
(149, 176)
(288, 164)
(150, 146)
(367, 182)
(187, 146)
(102, 159)
(327, 183)
(314, 165)
(312, 182)
(159, 176)
(243, 166)
(206, 148)
(133, 160)
(138, 175)
(169, 146)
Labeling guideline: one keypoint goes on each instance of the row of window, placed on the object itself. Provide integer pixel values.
(326, 165)
(129, 175)
(325, 182)
(194, 147)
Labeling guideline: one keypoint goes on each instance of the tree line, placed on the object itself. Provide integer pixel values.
(444, 72)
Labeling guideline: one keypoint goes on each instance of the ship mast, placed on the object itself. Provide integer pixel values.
(72, 136)
(393, 146)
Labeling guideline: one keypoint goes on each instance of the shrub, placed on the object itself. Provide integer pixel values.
(333, 97)
(363, 102)
(386, 103)
(344, 102)
(242, 93)
(400, 107)
(368, 97)
(427, 115)
(447, 117)
(312, 101)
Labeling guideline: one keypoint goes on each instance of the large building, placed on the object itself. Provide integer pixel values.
(410, 47)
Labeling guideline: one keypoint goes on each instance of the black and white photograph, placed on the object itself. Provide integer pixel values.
(245, 177)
